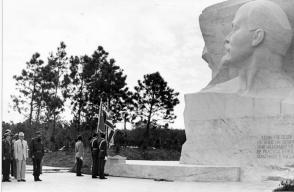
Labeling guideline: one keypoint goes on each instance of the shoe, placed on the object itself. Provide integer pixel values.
(6, 180)
(102, 178)
(18, 180)
(38, 179)
(94, 177)
(80, 175)
(23, 180)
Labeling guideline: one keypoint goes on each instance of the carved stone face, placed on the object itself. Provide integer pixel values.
(238, 42)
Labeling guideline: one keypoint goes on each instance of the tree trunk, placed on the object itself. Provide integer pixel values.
(125, 122)
(146, 138)
(54, 111)
(31, 105)
(80, 106)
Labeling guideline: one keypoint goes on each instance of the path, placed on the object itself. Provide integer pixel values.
(65, 181)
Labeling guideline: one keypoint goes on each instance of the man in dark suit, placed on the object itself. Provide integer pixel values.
(6, 157)
(102, 155)
(13, 160)
(37, 153)
(95, 152)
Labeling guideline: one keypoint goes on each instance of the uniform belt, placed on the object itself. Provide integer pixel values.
(95, 148)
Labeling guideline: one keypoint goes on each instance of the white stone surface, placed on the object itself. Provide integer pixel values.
(245, 116)
(226, 129)
(172, 171)
(68, 182)
(216, 23)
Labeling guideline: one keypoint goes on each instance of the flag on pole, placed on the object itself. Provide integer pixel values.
(104, 124)
(100, 125)
(111, 142)
(109, 129)
(111, 134)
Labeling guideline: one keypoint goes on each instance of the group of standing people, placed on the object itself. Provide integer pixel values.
(15, 152)
(98, 147)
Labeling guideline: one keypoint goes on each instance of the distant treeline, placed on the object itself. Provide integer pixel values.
(84, 82)
(160, 138)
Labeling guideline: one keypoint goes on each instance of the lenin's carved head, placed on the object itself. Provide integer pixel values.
(258, 26)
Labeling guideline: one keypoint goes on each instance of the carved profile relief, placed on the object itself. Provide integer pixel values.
(255, 48)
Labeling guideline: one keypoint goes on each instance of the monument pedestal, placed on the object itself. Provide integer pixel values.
(231, 130)
(172, 171)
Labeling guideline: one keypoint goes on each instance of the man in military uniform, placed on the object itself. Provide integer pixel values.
(37, 153)
(95, 152)
(6, 157)
(102, 156)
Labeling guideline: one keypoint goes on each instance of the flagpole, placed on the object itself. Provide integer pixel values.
(107, 145)
(99, 116)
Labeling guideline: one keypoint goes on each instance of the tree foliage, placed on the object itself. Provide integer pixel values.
(56, 81)
(78, 90)
(154, 100)
(85, 81)
(105, 80)
(28, 84)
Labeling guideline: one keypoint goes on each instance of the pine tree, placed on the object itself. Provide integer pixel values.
(154, 100)
(29, 86)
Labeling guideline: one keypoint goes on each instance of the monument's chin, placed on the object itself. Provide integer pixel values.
(232, 130)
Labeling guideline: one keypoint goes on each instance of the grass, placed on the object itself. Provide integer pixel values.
(67, 158)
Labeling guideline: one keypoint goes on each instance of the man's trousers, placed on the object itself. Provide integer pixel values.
(5, 169)
(95, 165)
(20, 169)
(36, 167)
(79, 165)
(101, 164)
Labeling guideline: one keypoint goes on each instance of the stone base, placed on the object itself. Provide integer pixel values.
(172, 170)
(228, 129)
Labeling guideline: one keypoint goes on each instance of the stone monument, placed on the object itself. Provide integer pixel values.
(245, 116)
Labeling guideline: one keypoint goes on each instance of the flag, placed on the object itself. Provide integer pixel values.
(109, 129)
(100, 124)
(111, 134)
(104, 125)
(109, 124)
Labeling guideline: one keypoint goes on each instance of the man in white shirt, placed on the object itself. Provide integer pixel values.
(79, 149)
(21, 154)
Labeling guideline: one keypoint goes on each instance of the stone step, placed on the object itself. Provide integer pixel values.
(172, 171)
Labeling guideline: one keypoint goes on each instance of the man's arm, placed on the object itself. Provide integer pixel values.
(83, 149)
(15, 149)
(103, 147)
(27, 149)
(43, 150)
(76, 148)
(32, 149)
(3, 150)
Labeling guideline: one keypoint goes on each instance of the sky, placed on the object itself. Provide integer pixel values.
(143, 36)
